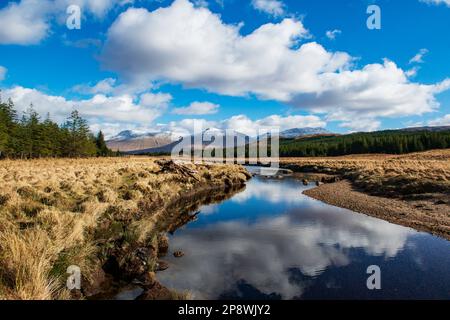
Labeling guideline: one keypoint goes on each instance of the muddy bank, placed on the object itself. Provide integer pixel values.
(412, 190)
(423, 215)
(132, 265)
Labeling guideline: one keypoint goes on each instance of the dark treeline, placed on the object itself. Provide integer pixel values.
(28, 136)
(390, 142)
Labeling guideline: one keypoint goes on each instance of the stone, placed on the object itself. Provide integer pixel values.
(178, 254)
(161, 265)
(156, 292)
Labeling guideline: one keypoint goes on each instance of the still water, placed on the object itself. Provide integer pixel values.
(272, 242)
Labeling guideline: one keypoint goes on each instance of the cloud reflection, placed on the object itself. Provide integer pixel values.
(308, 238)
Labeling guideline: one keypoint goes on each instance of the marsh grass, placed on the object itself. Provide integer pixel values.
(60, 212)
(416, 173)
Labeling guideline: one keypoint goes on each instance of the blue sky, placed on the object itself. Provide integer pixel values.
(233, 64)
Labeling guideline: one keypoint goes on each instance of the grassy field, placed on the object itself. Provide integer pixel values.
(57, 213)
(411, 190)
(402, 176)
(60, 212)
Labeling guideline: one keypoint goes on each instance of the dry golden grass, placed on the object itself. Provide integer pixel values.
(50, 209)
(424, 172)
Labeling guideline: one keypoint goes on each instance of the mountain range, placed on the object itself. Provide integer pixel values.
(163, 142)
(129, 141)
(302, 132)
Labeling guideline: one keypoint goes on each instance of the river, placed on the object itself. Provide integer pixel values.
(272, 242)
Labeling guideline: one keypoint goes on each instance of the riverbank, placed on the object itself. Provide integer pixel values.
(411, 190)
(422, 215)
(109, 217)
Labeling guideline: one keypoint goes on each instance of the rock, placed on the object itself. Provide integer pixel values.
(99, 282)
(76, 294)
(319, 183)
(161, 265)
(247, 174)
(156, 292)
(178, 254)
(305, 182)
(146, 280)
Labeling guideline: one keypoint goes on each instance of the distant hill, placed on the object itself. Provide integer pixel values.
(432, 129)
(301, 132)
(162, 143)
(388, 141)
(128, 141)
(294, 142)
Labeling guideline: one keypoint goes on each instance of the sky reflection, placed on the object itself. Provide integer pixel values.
(274, 241)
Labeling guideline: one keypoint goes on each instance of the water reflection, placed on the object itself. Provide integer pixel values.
(270, 241)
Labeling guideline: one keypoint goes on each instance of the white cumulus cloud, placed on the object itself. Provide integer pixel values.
(275, 8)
(121, 111)
(198, 108)
(444, 121)
(25, 22)
(243, 124)
(185, 44)
(28, 22)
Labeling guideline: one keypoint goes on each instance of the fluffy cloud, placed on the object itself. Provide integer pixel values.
(331, 34)
(25, 22)
(275, 8)
(121, 111)
(28, 22)
(186, 127)
(374, 91)
(159, 100)
(198, 108)
(361, 125)
(98, 8)
(192, 46)
(111, 113)
(105, 86)
(243, 124)
(111, 86)
(3, 72)
(444, 121)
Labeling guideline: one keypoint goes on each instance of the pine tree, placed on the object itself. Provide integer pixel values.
(30, 134)
(102, 149)
(77, 138)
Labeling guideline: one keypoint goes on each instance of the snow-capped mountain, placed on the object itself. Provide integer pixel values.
(128, 140)
(301, 132)
(163, 142)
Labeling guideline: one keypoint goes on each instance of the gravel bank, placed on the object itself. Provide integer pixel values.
(422, 215)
